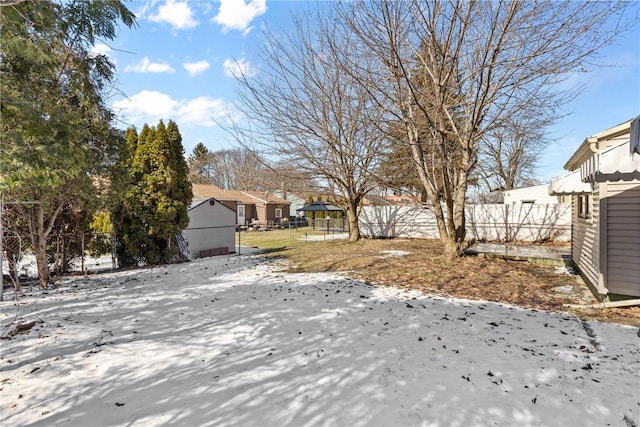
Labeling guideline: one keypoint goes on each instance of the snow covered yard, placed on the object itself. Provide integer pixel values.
(233, 341)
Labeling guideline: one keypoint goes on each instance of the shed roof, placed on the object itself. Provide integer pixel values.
(197, 202)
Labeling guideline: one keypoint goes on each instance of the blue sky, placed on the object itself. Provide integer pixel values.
(179, 63)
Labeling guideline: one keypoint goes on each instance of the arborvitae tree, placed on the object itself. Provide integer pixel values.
(309, 202)
(101, 227)
(181, 191)
(318, 214)
(155, 205)
(121, 182)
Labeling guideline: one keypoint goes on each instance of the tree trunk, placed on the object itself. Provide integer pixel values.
(354, 228)
(12, 256)
(454, 240)
(451, 227)
(39, 233)
(39, 240)
(41, 261)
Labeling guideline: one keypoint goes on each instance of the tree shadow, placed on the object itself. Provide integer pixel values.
(234, 342)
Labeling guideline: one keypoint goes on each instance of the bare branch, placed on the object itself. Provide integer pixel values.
(465, 78)
(312, 113)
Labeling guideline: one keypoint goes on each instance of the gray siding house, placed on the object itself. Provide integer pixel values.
(605, 241)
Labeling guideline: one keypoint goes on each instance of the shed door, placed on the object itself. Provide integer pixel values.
(241, 215)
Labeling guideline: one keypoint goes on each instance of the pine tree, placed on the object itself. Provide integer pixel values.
(55, 125)
(155, 204)
(199, 164)
(121, 183)
(181, 190)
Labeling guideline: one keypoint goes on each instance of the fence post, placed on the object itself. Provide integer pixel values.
(113, 251)
(507, 228)
(82, 258)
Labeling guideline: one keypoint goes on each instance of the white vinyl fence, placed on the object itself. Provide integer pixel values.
(495, 222)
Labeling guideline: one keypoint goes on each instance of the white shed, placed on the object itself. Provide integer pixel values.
(536, 194)
(211, 229)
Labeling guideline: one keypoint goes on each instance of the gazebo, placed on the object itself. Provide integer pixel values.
(320, 206)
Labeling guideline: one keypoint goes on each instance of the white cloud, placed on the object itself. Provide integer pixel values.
(102, 49)
(237, 68)
(201, 111)
(146, 66)
(146, 105)
(237, 15)
(151, 106)
(177, 14)
(195, 68)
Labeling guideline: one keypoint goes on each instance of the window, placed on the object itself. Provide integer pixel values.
(278, 212)
(584, 206)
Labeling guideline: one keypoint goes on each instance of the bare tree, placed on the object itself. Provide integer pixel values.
(313, 113)
(236, 169)
(285, 178)
(508, 157)
(468, 68)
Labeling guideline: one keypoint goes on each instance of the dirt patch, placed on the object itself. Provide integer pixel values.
(418, 264)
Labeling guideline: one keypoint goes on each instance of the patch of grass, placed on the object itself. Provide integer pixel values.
(276, 239)
(470, 277)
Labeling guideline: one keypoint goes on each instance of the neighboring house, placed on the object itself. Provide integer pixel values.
(250, 206)
(536, 194)
(296, 201)
(211, 229)
(374, 200)
(605, 243)
(402, 199)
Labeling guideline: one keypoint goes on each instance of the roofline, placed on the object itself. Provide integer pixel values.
(267, 201)
(204, 200)
(591, 146)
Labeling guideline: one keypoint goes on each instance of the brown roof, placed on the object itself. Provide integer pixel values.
(203, 191)
(402, 199)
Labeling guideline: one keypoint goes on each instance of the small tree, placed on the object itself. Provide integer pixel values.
(101, 228)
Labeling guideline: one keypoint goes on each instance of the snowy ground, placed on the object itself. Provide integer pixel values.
(232, 341)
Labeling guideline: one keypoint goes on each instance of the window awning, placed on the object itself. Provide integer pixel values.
(569, 184)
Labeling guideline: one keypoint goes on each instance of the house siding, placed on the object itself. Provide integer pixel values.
(623, 238)
(585, 242)
(254, 202)
(271, 212)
